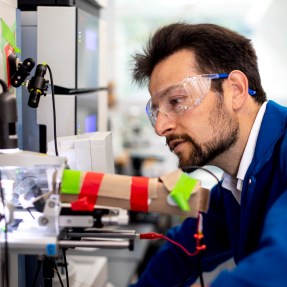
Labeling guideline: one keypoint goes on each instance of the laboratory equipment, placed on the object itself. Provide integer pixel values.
(47, 208)
(34, 221)
(86, 152)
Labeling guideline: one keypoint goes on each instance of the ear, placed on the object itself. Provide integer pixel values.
(239, 87)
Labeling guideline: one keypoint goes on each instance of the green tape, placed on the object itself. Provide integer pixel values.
(71, 182)
(182, 191)
(9, 36)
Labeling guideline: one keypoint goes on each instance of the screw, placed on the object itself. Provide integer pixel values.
(51, 204)
(43, 220)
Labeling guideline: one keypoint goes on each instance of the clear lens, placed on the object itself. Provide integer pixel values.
(150, 113)
(199, 86)
(178, 98)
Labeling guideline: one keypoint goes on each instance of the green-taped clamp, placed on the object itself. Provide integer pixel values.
(182, 191)
(71, 182)
(9, 36)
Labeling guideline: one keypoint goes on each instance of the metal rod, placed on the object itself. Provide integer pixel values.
(102, 235)
(94, 244)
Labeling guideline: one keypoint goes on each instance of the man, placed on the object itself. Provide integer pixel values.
(208, 102)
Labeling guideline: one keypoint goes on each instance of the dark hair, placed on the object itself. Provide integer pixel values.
(217, 50)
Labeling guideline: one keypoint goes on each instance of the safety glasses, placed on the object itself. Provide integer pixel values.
(179, 98)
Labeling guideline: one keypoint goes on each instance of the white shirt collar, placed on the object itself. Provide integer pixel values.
(229, 182)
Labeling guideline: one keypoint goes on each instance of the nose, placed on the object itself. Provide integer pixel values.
(164, 124)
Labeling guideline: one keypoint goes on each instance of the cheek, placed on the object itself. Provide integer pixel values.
(222, 123)
(197, 126)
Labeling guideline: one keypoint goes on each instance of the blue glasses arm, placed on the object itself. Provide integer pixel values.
(251, 92)
(224, 76)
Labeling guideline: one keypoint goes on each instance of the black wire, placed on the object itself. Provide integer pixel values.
(200, 270)
(201, 279)
(59, 276)
(66, 266)
(39, 264)
(6, 248)
(28, 209)
(194, 167)
(54, 111)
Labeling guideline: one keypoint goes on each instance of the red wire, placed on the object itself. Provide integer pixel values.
(154, 235)
(198, 236)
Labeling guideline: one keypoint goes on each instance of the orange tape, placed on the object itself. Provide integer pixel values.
(139, 194)
(89, 192)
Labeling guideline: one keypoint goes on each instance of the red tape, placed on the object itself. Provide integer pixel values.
(139, 194)
(89, 192)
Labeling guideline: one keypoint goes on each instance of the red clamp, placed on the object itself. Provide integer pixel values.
(139, 193)
(89, 192)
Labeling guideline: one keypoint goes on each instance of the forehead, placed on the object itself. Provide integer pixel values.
(172, 70)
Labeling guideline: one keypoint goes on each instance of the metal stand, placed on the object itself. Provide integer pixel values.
(48, 271)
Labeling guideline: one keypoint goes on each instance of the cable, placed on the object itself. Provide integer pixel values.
(59, 276)
(28, 209)
(199, 247)
(200, 271)
(194, 167)
(198, 236)
(66, 266)
(54, 110)
(154, 235)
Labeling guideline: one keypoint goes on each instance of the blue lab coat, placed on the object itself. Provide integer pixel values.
(253, 233)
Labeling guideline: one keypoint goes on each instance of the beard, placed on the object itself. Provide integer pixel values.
(225, 131)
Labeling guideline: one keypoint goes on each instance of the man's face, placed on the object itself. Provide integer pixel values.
(200, 135)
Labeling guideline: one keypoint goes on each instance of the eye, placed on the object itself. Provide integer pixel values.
(176, 96)
(175, 101)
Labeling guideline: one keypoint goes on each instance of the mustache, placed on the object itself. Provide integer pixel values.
(184, 137)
